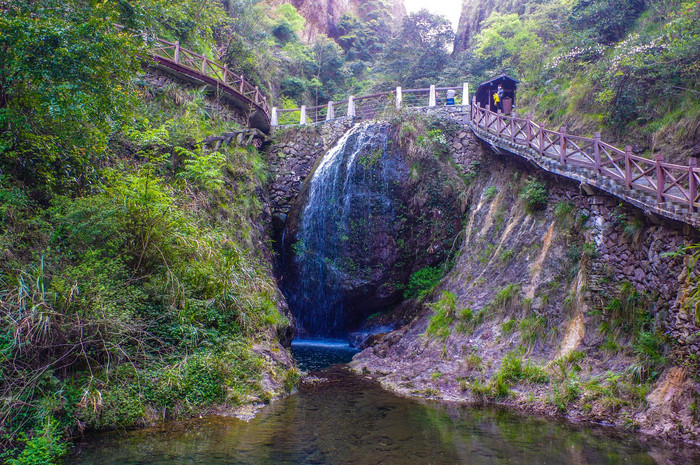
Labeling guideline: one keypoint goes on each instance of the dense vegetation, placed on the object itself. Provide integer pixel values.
(628, 68)
(135, 278)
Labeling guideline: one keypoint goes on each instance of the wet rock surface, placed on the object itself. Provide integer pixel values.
(373, 212)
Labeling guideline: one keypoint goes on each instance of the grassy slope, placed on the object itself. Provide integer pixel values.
(150, 296)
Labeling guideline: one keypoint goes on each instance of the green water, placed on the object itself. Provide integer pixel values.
(349, 419)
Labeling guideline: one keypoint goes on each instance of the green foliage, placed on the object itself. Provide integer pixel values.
(513, 370)
(64, 80)
(506, 298)
(422, 282)
(532, 329)
(490, 192)
(605, 20)
(649, 348)
(534, 195)
(508, 326)
(444, 312)
(473, 362)
(45, 447)
(418, 53)
(508, 45)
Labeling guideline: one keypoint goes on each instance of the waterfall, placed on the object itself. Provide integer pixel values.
(348, 205)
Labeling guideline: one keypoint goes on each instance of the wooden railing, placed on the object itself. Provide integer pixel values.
(173, 53)
(184, 61)
(365, 107)
(667, 182)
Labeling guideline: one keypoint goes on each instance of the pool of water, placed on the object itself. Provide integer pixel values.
(316, 354)
(340, 418)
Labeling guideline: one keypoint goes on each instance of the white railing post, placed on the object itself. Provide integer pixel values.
(399, 98)
(351, 106)
(274, 120)
(302, 118)
(465, 93)
(330, 114)
(431, 100)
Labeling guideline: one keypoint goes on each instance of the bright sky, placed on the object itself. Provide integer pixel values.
(449, 8)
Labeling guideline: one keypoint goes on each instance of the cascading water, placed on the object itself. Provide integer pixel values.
(348, 210)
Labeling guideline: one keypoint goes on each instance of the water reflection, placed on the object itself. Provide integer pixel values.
(349, 419)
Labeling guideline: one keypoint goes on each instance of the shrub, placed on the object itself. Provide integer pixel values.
(490, 192)
(534, 195)
(422, 282)
(443, 316)
(44, 448)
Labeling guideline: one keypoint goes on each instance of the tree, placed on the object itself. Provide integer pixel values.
(65, 74)
(508, 45)
(418, 53)
(606, 20)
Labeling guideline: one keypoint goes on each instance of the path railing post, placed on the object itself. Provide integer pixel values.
(431, 99)
(204, 65)
(177, 51)
(330, 114)
(399, 98)
(541, 147)
(499, 122)
(512, 128)
(351, 106)
(302, 117)
(596, 151)
(562, 145)
(274, 119)
(528, 130)
(225, 73)
(240, 90)
(628, 167)
(660, 181)
(692, 183)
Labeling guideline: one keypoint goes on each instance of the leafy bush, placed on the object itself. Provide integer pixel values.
(45, 447)
(534, 195)
(422, 282)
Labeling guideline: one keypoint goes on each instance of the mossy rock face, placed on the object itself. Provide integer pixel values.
(354, 236)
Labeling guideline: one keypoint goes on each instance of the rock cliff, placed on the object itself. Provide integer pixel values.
(322, 16)
(561, 301)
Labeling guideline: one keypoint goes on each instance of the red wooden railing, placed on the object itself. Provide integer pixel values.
(182, 60)
(172, 52)
(668, 182)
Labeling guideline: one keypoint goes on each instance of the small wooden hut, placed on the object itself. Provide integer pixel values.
(484, 94)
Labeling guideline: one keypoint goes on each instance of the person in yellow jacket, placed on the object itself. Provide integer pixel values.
(498, 98)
